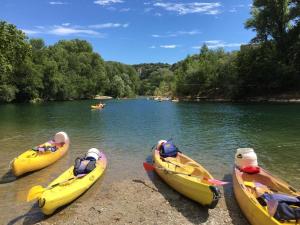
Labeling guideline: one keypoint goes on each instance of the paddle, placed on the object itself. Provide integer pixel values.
(149, 167)
(173, 163)
(36, 191)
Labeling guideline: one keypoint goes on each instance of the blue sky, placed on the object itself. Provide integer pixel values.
(135, 31)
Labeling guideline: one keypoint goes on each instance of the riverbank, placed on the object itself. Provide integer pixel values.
(98, 97)
(257, 100)
(283, 98)
(142, 201)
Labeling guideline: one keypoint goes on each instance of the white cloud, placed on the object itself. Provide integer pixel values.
(192, 32)
(58, 3)
(194, 7)
(107, 2)
(30, 32)
(163, 36)
(169, 46)
(213, 44)
(176, 34)
(65, 31)
(109, 25)
(152, 46)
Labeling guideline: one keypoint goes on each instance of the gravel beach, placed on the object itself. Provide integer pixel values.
(139, 201)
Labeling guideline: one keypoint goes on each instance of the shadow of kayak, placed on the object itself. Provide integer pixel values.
(8, 177)
(190, 209)
(234, 210)
(33, 216)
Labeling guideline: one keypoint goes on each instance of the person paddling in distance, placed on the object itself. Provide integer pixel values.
(88, 163)
(100, 105)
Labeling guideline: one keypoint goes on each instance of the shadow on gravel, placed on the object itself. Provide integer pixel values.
(8, 177)
(235, 212)
(193, 211)
(33, 216)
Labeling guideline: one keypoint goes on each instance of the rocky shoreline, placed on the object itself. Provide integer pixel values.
(272, 99)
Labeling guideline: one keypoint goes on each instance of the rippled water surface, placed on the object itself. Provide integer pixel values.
(127, 129)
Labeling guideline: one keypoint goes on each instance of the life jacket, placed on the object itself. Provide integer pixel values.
(285, 207)
(168, 149)
(48, 146)
(84, 165)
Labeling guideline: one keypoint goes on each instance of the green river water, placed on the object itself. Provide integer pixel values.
(210, 133)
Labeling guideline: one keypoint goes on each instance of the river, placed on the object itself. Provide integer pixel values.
(210, 133)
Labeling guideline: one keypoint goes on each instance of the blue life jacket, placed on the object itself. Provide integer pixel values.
(288, 206)
(168, 149)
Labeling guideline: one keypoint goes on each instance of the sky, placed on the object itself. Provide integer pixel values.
(135, 31)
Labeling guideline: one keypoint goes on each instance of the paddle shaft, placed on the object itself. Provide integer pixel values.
(174, 172)
(57, 184)
(175, 164)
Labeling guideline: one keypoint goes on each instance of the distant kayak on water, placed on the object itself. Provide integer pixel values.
(98, 106)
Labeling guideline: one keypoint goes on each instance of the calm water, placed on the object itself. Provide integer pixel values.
(127, 129)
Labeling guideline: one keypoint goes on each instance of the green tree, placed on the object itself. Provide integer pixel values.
(272, 20)
(14, 50)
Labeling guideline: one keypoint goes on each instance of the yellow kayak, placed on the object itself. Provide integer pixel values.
(44, 155)
(70, 187)
(246, 187)
(187, 177)
(100, 106)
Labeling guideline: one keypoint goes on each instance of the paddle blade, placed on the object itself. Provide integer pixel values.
(216, 182)
(35, 193)
(148, 166)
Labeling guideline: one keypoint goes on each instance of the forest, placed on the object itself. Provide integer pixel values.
(268, 66)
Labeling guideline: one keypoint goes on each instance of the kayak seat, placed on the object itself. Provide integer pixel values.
(265, 180)
(190, 163)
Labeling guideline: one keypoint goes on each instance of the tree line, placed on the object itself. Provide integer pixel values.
(268, 66)
(66, 70)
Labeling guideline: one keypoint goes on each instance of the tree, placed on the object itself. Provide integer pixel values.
(272, 20)
(14, 50)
